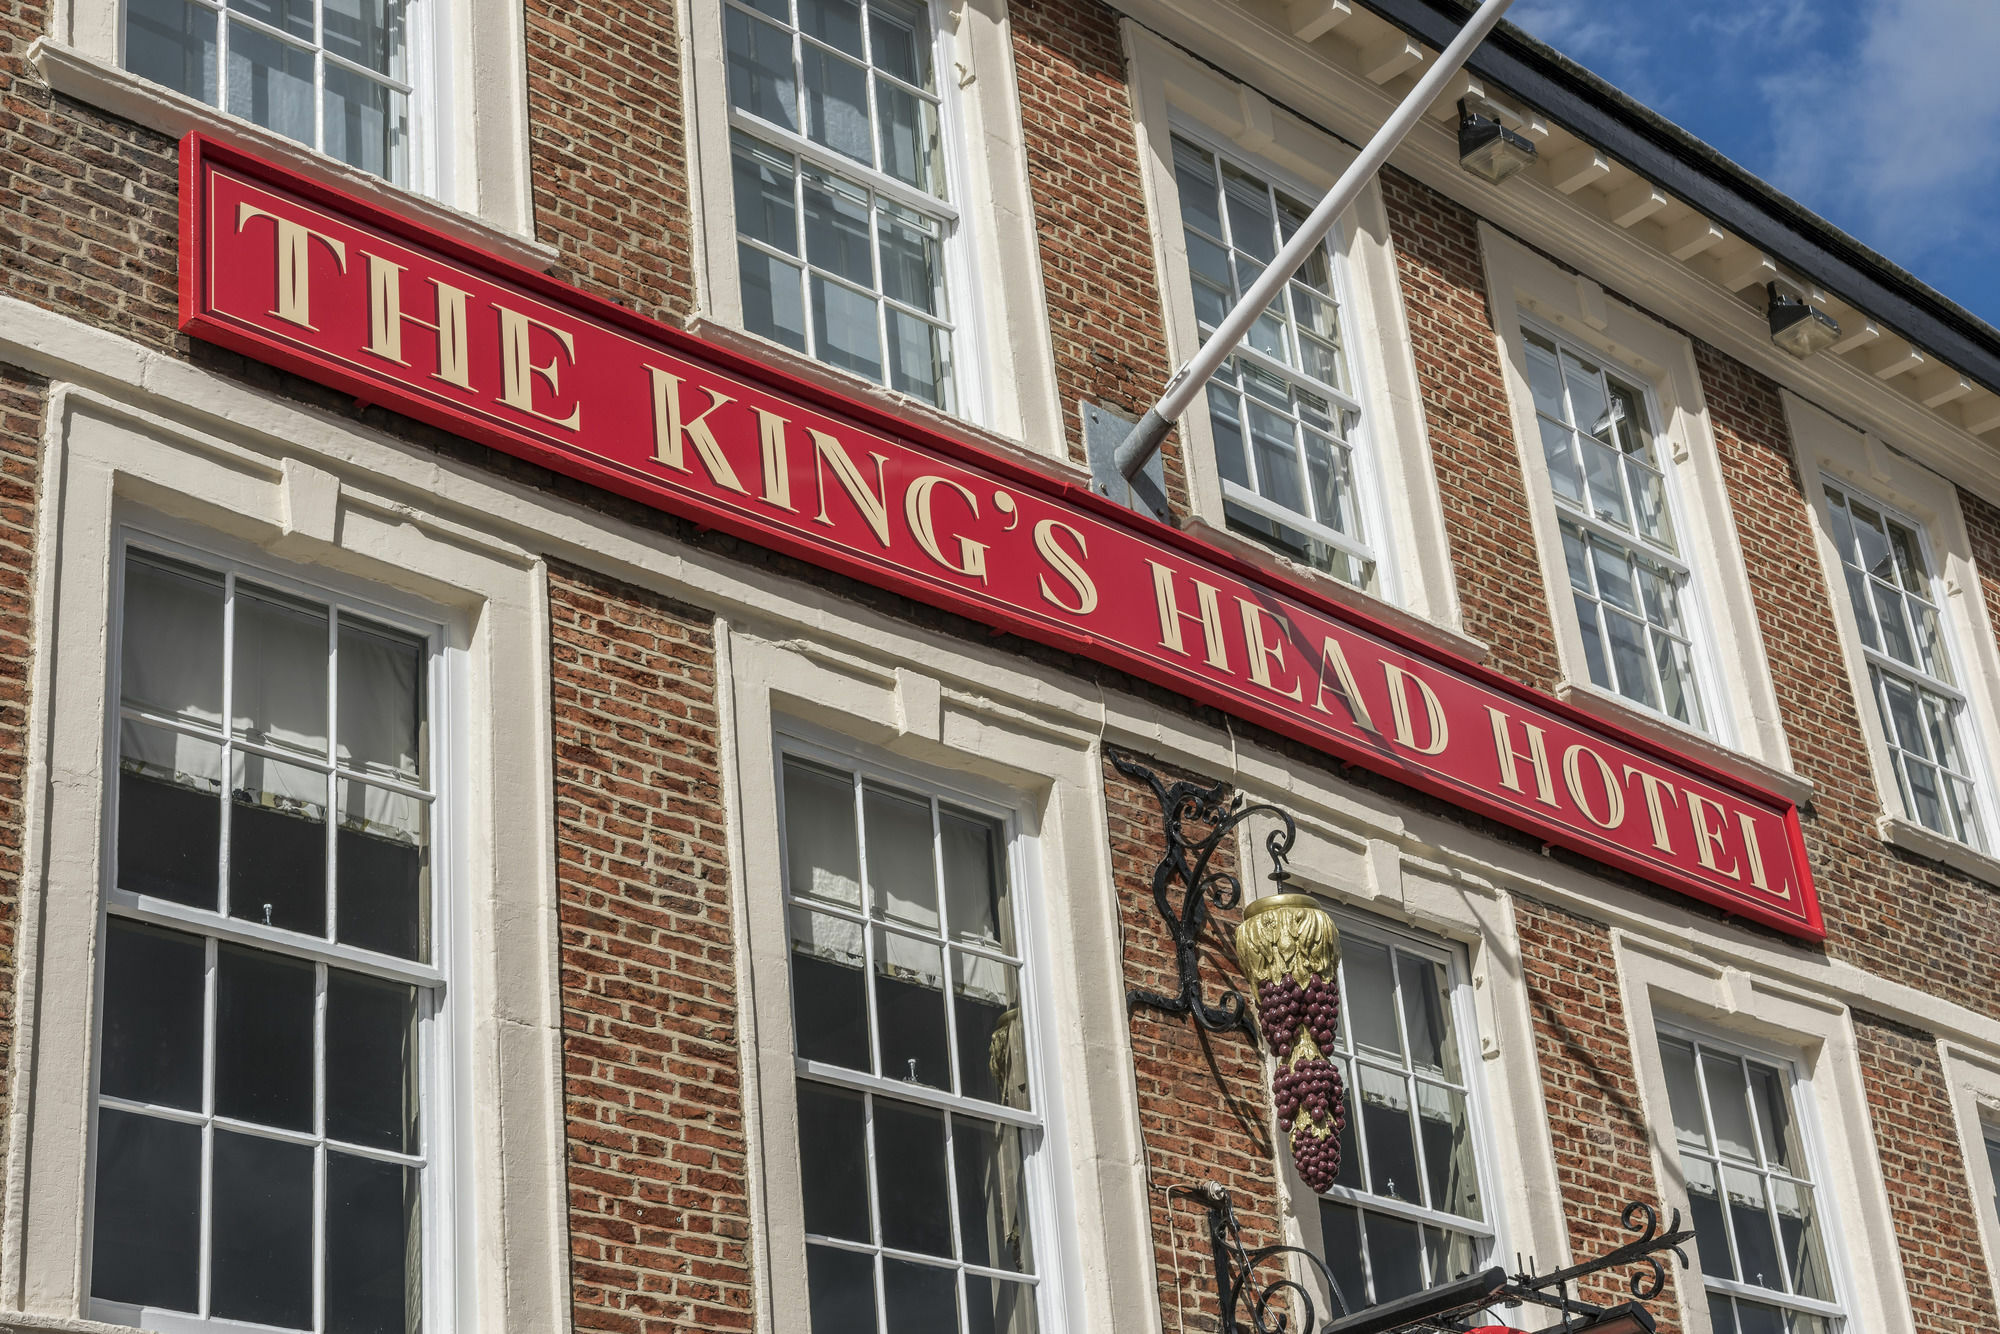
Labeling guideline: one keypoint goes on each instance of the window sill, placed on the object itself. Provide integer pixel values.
(1261, 556)
(24, 1322)
(87, 79)
(1915, 838)
(902, 406)
(1621, 712)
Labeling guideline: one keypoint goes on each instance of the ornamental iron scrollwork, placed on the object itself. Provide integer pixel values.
(1219, 811)
(1248, 1307)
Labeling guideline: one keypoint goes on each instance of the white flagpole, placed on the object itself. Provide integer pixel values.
(1145, 438)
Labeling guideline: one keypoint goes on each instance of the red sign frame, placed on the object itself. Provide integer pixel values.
(306, 277)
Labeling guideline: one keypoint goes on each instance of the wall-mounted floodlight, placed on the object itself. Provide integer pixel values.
(1799, 327)
(1487, 148)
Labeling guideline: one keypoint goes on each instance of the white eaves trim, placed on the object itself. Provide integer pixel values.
(75, 73)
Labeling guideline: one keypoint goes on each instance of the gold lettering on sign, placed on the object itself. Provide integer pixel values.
(923, 524)
(1614, 795)
(777, 459)
(671, 429)
(1333, 662)
(1068, 566)
(386, 316)
(1264, 652)
(294, 263)
(874, 505)
(1537, 757)
(1752, 853)
(1171, 616)
(517, 366)
(1707, 840)
(1400, 682)
(1655, 809)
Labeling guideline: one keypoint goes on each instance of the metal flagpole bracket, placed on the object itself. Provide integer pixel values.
(1218, 811)
(1146, 489)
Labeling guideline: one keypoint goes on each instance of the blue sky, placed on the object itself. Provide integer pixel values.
(1883, 117)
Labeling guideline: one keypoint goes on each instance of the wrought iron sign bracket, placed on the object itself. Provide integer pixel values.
(1184, 863)
(1268, 1309)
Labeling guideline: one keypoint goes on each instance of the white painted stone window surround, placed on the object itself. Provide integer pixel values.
(1395, 498)
(1415, 1202)
(1527, 293)
(291, 85)
(272, 1136)
(1972, 1081)
(1866, 467)
(862, 199)
(493, 1223)
(1675, 997)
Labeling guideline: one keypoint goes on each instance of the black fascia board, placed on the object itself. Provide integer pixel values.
(1678, 162)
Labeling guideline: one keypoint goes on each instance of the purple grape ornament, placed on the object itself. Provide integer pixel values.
(1290, 949)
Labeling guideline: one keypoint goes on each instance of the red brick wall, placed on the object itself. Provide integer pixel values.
(652, 1085)
(1204, 1110)
(1982, 520)
(1596, 1124)
(22, 403)
(1479, 477)
(1105, 312)
(1916, 1134)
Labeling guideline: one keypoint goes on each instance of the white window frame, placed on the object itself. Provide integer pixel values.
(436, 1061)
(1402, 515)
(469, 170)
(1798, 1088)
(1465, 1020)
(1759, 1010)
(1972, 1082)
(1861, 462)
(1745, 735)
(1043, 1166)
(1693, 609)
(1002, 359)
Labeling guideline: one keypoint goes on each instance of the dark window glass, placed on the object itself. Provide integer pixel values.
(840, 1286)
(264, 1038)
(833, 1151)
(371, 1061)
(381, 891)
(260, 1244)
(152, 1015)
(277, 845)
(919, 1299)
(169, 838)
(374, 1256)
(147, 1230)
(909, 1164)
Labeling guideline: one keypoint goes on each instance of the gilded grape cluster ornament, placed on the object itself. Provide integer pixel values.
(1289, 948)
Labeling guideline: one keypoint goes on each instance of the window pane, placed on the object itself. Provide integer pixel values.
(1711, 1233)
(1340, 1240)
(1395, 1257)
(912, 259)
(1799, 1236)
(840, 1287)
(914, 1199)
(169, 815)
(837, 103)
(264, 1058)
(381, 702)
(1371, 997)
(1448, 1151)
(1775, 1125)
(992, 1058)
(154, 998)
(367, 123)
(1721, 1313)
(277, 844)
(1757, 1318)
(911, 151)
(1728, 1104)
(995, 1306)
(1750, 1220)
(919, 359)
(374, 1247)
(829, 1007)
(833, 1161)
(1252, 228)
(1427, 1014)
(992, 1195)
(383, 890)
(146, 1227)
(902, 866)
(289, 16)
(909, 1007)
(836, 216)
(278, 692)
(820, 846)
(773, 299)
(900, 33)
(919, 1299)
(271, 83)
(1559, 448)
(1629, 657)
(761, 81)
(1392, 1150)
(978, 898)
(172, 42)
(372, 1093)
(1194, 181)
(367, 32)
(1684, 1093)
(765, 207)
(261, 1231)
(844, 327)
(835, 22)
(171, 655)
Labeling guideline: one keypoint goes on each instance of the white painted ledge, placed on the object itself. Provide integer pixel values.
(87, 79)
(1913, 837)
(23, 1322)
(1448, 638)
(1619, 711)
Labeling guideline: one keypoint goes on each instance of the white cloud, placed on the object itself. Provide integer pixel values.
(1898, 138)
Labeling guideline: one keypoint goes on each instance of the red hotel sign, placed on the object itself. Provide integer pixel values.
(293, 273)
